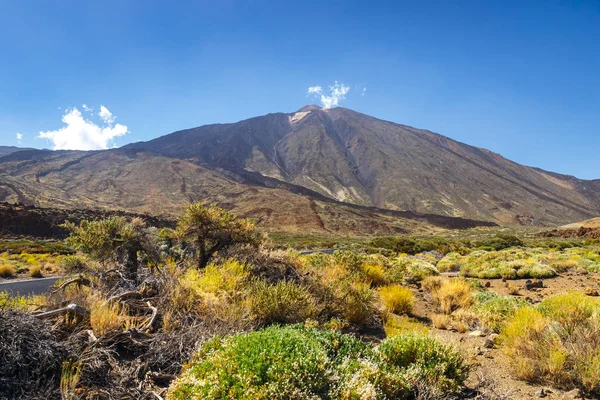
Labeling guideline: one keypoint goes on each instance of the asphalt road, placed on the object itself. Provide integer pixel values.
(28, 287)
(324, 251)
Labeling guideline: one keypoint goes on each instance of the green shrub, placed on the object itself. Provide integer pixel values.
(425, 360)
(73, 264)
(296, 362)
(351, 261)
(492, 310)
(356, 302)
(283, 302)
(507, 264)
(499, 242)
(417, 270)
(414, 246)
(450, 262)
(275, 363)
(593, 267)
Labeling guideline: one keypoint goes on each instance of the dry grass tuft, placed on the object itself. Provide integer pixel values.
(7, 271)
(397, 299)
(36, 272)
(431, 283)
(452, 295)
(440, 321)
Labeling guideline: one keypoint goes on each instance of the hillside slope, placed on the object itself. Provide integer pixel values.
(147, 183)
(593, 223)
(355, 158)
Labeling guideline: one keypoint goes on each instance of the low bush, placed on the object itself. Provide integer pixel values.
(7, 271)
(414, 246)
(417, 270)
(492, 310)
(296, 362)
(513, 289)
(35, 272)
(499, 242)
(275, 363)
(397, 299)
(593, 267)
(342, 285)
(432, 283)
(423, 359)
(356, 302)
(282, 302)
(507, 264)
(374, 270)
(450, 263)
(557, 342)
(73, 264)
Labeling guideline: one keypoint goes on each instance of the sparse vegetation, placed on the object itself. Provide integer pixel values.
(147, 299)
(491, 310)
(557, 342)
(507, 264)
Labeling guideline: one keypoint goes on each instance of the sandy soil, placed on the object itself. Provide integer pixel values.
(491, 364)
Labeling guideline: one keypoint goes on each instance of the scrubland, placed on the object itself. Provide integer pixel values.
(214, 309)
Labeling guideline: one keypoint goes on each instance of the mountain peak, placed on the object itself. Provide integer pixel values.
(310, 107)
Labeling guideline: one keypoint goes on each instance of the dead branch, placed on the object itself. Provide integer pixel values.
(133, 294)
(93, 337)
(150, 323)
(74, 308)
(157, 396)
(79, 280)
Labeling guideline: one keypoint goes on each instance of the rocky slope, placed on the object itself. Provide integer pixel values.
(352, 157)
(148, 183)
(312, 171)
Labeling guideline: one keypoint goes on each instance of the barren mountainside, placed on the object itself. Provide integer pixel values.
(312, 171)
(147, 183)
(352, 157)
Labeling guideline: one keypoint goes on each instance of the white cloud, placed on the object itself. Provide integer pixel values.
(19, 137)
(106, 115)
(364, 91)
(315, 90)
(337, 93)
(82, 134)
(86, 108)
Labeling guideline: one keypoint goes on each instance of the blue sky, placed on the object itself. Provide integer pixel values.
(519, 78)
